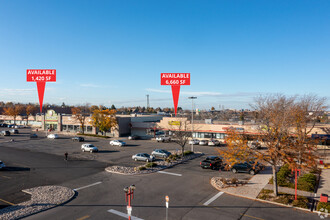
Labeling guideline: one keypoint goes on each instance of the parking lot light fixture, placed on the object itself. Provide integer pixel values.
(192, 119)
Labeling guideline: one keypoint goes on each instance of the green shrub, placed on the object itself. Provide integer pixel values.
(324, 206)
(151, 164)
(187, 153)
(282, 176)
(142, 168)
(307, 182)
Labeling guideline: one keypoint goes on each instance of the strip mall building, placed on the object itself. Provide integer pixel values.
(142, 125)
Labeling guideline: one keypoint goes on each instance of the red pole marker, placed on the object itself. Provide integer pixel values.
(175, 80)
(41, 76)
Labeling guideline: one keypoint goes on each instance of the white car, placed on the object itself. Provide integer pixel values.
(162, 138)
(89, 148)
(2, 165)
(117, 143)
(214, 143)
(52, 136)
(194, 141)
(203, 142)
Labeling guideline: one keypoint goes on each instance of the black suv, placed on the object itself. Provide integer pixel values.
(211, 162)
(245, 168)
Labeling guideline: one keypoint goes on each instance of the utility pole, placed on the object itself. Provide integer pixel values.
(148, 102)
(192, 119)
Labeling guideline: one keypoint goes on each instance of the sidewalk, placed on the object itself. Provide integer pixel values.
(324, 184)
(253, 187)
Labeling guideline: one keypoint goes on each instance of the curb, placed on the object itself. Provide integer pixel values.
(152, 171)
(265, 201)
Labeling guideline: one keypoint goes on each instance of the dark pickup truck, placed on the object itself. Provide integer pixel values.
(211, 162)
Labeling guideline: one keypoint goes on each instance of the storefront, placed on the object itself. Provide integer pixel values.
(51, 121)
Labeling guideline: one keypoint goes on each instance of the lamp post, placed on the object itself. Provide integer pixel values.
(129, 192)
(192, 119)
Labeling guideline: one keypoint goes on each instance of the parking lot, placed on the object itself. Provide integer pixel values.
(111, 155)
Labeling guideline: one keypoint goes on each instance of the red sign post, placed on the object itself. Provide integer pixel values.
(175, 80)
(41, 76)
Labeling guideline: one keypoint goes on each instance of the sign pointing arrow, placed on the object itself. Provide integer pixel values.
(175, 80)
(41, 76)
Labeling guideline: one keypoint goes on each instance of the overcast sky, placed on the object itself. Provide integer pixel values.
(112, 52)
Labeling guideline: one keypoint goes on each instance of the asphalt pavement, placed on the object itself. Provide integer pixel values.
(100, 195)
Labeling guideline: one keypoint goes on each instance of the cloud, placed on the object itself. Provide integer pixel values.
(187, 93)
(6, 92)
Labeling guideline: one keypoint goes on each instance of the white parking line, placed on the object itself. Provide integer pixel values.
(83, 187)
(175, 174)
(213, 198)
(124, 215)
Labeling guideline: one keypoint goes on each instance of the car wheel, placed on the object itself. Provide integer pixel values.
(83, 150)
(252, 172)
(147, 160)
(135, 159)
(234, 170)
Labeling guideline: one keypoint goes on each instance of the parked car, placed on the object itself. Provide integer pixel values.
(10, 125)
(203, 142)
(52, 136)
(211, 162)
(5, 133)
(214, 143)
(194, 141)
(245, 167)
(33, 136)
(4, 125)
(79, 139)
(160, 153)
(19, 126)
(89, 148)
(2, 165)
(143, 156)
(163, 138)
(117, 143)
(134, 137)
(13, 131)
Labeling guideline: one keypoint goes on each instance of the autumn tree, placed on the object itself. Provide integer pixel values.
(283, 129)
(305, 114)
(104, 120)
(14, 111)
(80, 113)
(30, 110)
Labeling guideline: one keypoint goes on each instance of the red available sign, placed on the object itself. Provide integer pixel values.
(41, 75)
(175, 79)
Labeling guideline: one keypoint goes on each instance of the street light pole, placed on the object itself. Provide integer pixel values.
(192, 120)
